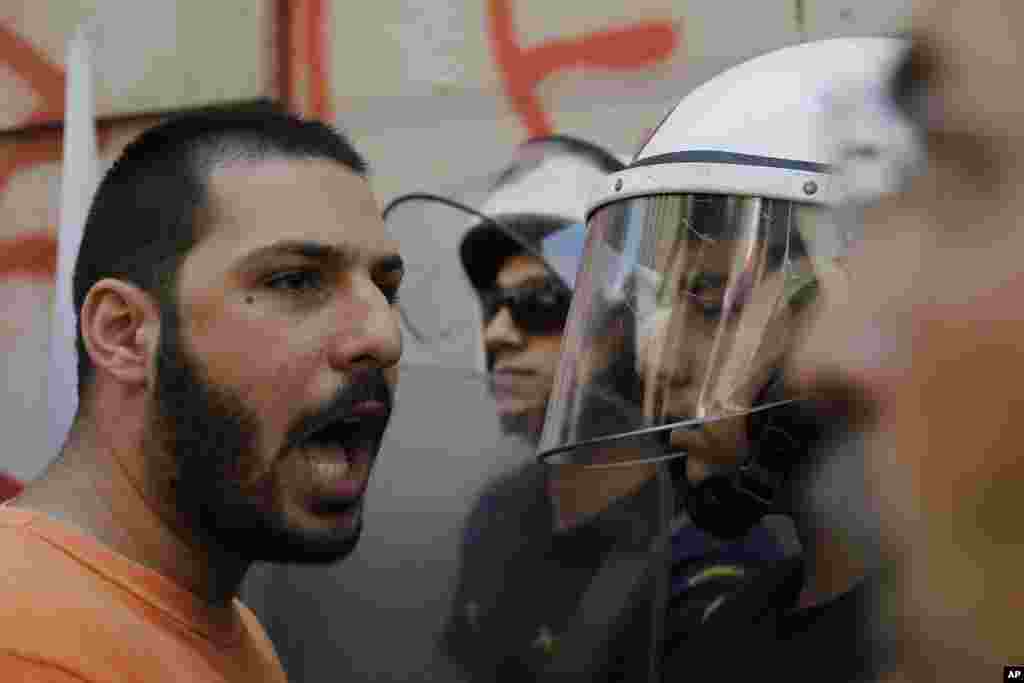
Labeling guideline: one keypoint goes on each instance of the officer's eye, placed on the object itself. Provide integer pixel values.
(706, 292)
(709, 305)
(296, 281)
(709, 302)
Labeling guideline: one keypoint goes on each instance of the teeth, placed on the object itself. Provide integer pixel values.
(330, 469)
(328, 453)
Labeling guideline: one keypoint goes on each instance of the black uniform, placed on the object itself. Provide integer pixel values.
(528, 594)
(759, 632)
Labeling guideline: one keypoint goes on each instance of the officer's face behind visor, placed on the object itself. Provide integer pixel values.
(685, 309)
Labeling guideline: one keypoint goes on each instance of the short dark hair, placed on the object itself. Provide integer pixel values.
(146, 214)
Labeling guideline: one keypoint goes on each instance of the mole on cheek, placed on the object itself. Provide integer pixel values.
(250, 299)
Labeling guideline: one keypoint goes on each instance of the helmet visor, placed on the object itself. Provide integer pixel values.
(442, 310)
(439, 309)
(683, 311)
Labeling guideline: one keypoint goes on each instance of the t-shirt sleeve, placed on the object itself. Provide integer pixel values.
(15, 669)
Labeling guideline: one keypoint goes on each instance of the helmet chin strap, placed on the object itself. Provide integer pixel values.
(729, 504)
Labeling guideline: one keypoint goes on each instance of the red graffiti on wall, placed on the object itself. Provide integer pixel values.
(635, 46)
(35, 254)
(30, 255)
(44, 77)
(304, 83)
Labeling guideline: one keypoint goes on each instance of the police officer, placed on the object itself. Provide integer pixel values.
(541, 542)
(718, 243)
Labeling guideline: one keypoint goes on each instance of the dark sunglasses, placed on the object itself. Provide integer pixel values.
(535, 309)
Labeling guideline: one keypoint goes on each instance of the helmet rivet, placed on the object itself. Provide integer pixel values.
(618, 184)
(810, 187)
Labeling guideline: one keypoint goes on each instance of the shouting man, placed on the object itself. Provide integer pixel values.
(237, 344)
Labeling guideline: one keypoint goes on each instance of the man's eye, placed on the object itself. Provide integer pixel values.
(708, 299)
(710, 308)
(296, 281)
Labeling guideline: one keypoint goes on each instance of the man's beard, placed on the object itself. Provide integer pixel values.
(211, 438)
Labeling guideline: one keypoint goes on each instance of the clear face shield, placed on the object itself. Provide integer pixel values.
(440, 312)
(685, 310)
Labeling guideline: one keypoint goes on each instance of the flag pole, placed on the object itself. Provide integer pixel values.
(79, 178)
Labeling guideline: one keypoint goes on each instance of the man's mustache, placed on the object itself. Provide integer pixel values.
(367, 386)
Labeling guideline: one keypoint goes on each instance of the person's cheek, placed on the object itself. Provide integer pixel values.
(278, 387)
(391, 376)
(550, 348)
(956, 460)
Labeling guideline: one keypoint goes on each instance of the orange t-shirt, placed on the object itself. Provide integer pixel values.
(71, 609)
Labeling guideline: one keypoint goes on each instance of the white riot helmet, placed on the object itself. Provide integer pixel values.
(453, 252)
(702, 259)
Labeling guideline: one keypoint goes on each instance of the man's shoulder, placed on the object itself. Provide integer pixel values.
(15, 667)
(50, 611)
(61, 614)
(258, 636)
(36, 571)
(39, 571)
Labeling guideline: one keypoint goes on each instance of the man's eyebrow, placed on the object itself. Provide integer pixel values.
(531, 281)
(314, 251)
(322, 253)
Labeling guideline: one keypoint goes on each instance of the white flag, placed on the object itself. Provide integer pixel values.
(79, 178)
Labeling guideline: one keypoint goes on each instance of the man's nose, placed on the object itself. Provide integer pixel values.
(502, 331)
(672, 360)
(666, 374)
(367, 331)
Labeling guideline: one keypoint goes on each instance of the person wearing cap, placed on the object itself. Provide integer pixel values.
(523, 271)
(540, 538)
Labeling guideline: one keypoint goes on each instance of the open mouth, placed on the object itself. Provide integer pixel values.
(340, 455)
(349, 433)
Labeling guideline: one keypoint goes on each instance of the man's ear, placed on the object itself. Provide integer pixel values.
(120, 326)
